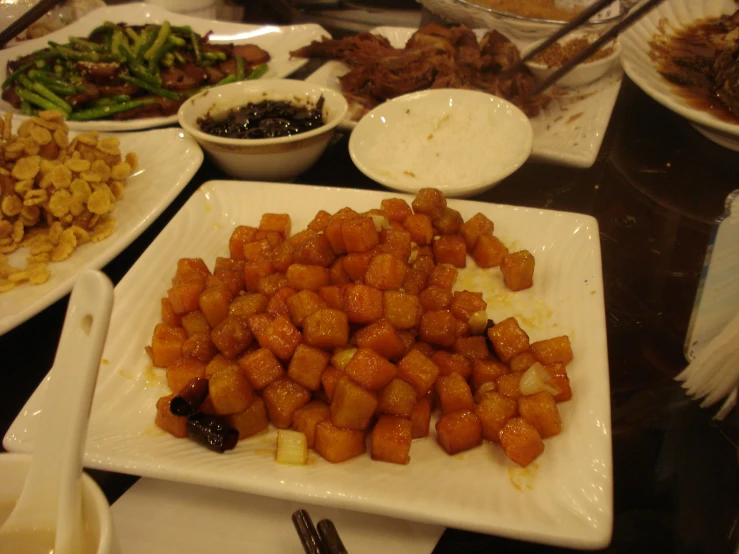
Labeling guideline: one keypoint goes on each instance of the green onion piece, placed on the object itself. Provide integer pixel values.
(74, 55)
(86, 44)
(21, 70)
(182, 29)
(257, 72)
(176, 41)
(161, 39)
(227, 80)
(240, 71)
(179, 57)
(195, 41)
(117, 42)
(159, 91)
(133, 35)
(100, 112)
(213, 55)
(46, 93)
(168, 60)
(25, 81)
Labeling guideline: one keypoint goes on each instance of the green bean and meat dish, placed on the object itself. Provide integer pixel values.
(125, 71)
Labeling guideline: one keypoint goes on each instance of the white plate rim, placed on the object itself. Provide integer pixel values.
(119, 240)
(280, 66)
(588, 534)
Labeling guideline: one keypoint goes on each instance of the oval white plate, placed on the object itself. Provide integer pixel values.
(670, 17)
(459, 141)
(278, 41)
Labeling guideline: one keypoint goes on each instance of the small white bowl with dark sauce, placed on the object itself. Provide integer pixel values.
(265, 130)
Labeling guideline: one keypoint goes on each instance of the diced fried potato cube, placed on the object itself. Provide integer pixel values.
(195, 323)
(282, 397)
(474, 228)
(269, 285)
(509, 385)
(232, 336)
(415, 281)
(521, 442)
(472, 348)
(320, 221)
(190, 268)
(167, 421)
(315, 251)
(184, 370)
(282, 256)
(307, 365)
(278, 223)
(450, 249)
(303, 304)
(185, 295)
(396, 209)
(493, 411)
(272, 237)
(338, 445)
(419, 371)
(486, 371)
(449, 223)
(214, 302)
(489, 251)
(251, 421)
(261, 368)
(231, 272)
(385, 272)
(458, 431)
(435, 298)
(360, 234)
(449, 363)
(522, 361)
(362, 303)
(199, 346)
(326, 329)
(558, 371)
(355, 265)
(438, 327)
(429, 201)
(401, 309)
(248, 304)
(390, 440)
(381, 337)
(311, 277)
(352, 406)
(508, 339)
(397, 398)
(229, 391)
(219, 363)
(466, 303)
(329, 380)
(518, 270)
(442, 276)
(281, 337)
(420, 228)
(168, 316)
(166, 344)
(557, 349)
(332, 296)
(277, 305)
(258, 251)
(540, 410)
(424, 348)
(454, 393)
(396, 242)
(299, 238)
(333, 229)
(306, 418)
(421, 418)
(258, 323)
(242, 235)
(370, 370)
(254, 271)
(424, 263)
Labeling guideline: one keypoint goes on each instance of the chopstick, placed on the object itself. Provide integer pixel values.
(625, 23)
(26, 20)
(581, 18)
(324, 541)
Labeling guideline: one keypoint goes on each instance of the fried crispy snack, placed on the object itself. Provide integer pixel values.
(55, 194)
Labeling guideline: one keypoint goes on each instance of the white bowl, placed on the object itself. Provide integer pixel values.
(274, 159)
(460, 141)
(582, 74)
(95, 508)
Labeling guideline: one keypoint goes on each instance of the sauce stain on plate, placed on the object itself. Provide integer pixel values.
(523, 478)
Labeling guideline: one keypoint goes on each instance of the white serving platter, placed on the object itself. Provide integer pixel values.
(568, 132)
(564, 498)
(279, 41)
(168, 158)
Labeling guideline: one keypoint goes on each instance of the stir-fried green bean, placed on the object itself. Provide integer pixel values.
(159, 91)
(102, 112)
(36, 100)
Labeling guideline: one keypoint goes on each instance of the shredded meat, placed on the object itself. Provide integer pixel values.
(434, 57)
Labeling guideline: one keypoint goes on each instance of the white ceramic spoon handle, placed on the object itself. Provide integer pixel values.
(69, 392)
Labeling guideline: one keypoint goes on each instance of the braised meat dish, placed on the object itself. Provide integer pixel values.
(434, 57)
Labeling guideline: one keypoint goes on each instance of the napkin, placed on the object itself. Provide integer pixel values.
(161, 517)
(714, 372)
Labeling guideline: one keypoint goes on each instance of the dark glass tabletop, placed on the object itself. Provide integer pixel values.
(655, 189)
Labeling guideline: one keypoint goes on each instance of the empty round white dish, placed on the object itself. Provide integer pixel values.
(459, 141)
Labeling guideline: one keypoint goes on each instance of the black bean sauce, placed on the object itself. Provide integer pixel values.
(266, 119)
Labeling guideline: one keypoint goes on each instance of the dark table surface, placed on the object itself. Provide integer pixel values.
(655, 189)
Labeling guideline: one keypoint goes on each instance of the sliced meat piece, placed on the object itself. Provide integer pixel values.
(228, 67)
(251, 53)
(497, 52)
(100, 73)
(91, 93)
(11, 97)
(177, 79)
(162, 107)
(214, 74)
(195, 73)
(117, 90)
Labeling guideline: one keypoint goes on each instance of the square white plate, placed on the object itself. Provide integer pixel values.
(278, 41)
(564, 498)
(568, 132)
(168, 158)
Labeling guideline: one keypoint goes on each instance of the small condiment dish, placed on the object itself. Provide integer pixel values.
(99, 531)
(462, 142)
(269, 159)
(583, 73)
